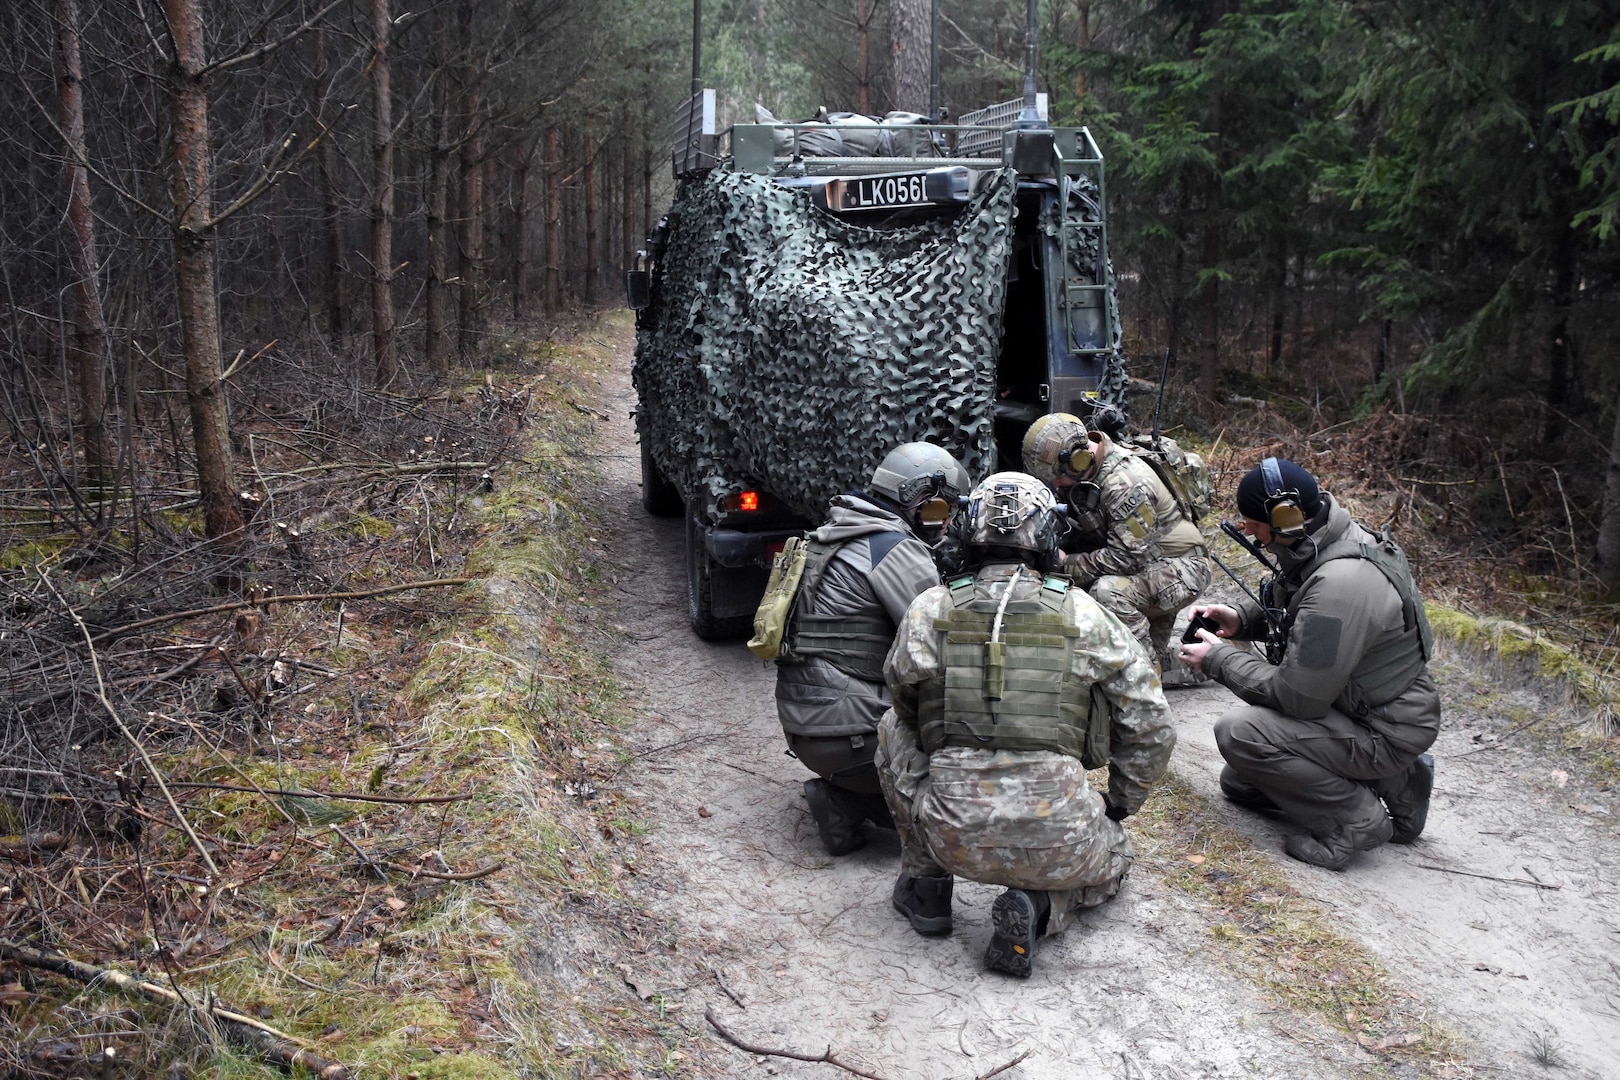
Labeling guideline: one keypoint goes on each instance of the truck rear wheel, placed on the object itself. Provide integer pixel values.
(703, 574)
(659, 497)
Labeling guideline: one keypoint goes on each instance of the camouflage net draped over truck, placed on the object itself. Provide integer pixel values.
(790, 349)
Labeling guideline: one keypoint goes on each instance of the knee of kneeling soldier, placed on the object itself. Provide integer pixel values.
(1237, 735)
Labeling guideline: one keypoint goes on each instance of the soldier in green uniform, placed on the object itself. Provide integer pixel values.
(1131, 548)
(1333, 736)
(1007, 685)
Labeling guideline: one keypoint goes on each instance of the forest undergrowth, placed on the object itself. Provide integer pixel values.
(308, 797)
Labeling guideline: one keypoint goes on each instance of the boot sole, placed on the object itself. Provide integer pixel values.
(1012, 946)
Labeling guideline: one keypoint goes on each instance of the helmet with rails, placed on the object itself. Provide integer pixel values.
(924, 481)
(1056, 449)
(1012, 510)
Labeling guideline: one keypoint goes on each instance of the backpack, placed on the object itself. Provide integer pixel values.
(1182, 472)
(781, 590)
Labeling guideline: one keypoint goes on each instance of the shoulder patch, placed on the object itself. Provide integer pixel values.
(882, 543)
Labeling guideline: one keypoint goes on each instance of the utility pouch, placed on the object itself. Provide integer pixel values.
(776, 607)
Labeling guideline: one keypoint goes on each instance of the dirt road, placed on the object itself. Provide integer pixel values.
(793, 950)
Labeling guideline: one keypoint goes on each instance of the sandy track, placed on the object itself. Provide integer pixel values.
(817, 957)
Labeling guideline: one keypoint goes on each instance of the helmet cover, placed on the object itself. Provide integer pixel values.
(1056, 446)
(1014, 510)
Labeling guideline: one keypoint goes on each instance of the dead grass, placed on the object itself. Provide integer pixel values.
(325, 921)
(1267, 932)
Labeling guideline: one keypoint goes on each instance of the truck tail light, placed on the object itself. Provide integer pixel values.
(745, 501)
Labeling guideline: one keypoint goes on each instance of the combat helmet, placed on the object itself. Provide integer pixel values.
(924, 481)
(1012, 510)
(1055, 446)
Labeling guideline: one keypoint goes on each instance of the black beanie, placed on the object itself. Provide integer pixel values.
(1251, 492)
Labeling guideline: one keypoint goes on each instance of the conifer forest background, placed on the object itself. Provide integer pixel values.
(1334, 209)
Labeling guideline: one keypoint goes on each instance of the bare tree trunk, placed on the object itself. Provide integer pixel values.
(382, 201)
(627, 205)
(908, 53)
(592, 268)
(436, 347)
(472, 219)
(1209, 305)
(1554, 420)
(1279, 305)
(646, 188)
(864, 9)
(553, 223)
(196, 300)
(520, 246)
(1608, 537)
(327, 165)
(1083, 40)
(89, 336)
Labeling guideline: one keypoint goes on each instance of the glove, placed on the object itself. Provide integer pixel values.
(1114, 811)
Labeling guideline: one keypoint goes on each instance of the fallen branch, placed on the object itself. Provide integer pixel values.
(278, 1048)
(267, 601)
(827, 1055)
(1489, 877)
(999, 1069)
(398, 800)
(23, 847)
(469, 875)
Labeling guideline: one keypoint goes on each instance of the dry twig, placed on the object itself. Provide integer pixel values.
(826, 1055)
(278, 1047)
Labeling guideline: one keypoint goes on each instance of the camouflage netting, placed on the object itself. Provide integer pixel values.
(789, 349)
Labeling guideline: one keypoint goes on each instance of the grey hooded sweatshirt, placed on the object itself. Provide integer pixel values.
(1346, 634)
(879, 568)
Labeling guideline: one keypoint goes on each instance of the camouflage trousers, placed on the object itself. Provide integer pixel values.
(1024, 819)
(1148, 602)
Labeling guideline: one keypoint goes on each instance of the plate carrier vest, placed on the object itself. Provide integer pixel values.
(854, 645)
(1388, 669)
(1012, 686)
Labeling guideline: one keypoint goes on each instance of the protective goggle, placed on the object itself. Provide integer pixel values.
(933, 513)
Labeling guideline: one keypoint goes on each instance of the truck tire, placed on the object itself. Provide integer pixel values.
(659, 497)
(701, 572)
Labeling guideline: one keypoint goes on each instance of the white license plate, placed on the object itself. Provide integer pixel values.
(879, 192)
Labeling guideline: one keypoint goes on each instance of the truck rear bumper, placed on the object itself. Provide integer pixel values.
(734, 548)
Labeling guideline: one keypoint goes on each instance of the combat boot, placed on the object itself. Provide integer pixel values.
(1018, 916)
(838, 815)
(1240, 791)
(1335, 850)
(926, 901)
(1409, 807)
(1175, 675)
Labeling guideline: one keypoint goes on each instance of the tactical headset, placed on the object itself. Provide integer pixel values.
(1283, 512)
(1076, 461)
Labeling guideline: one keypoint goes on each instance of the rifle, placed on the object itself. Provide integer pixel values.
(1276, 630)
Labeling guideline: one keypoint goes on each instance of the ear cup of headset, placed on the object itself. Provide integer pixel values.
(1283, 512)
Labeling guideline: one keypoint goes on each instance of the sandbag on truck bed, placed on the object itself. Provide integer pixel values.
(786, 348)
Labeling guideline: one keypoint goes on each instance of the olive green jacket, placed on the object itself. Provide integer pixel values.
(1342, 614)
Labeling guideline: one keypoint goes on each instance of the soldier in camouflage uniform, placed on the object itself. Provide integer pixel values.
(1007, 685)
(1137, 555)
(865, 565)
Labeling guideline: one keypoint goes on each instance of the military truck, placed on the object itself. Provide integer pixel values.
(822, 291)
